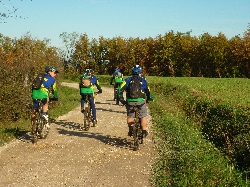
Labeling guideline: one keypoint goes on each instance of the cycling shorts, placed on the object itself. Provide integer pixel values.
(141, 106)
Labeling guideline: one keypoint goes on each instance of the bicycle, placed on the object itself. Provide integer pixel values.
(137, 130)
(39, 128)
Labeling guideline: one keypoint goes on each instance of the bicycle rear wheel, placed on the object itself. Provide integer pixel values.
(34, 130)
(135, 136)
(87, 117)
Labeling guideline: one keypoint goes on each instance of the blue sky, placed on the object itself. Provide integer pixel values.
(126, 18)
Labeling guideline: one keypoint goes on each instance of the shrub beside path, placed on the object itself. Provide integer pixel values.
(69, 156)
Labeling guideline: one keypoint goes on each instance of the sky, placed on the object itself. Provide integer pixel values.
(47, 19)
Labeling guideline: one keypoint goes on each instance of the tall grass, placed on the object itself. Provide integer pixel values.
(187, 158)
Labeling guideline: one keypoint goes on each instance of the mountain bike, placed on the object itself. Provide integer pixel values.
(137, 130)
(39, 128)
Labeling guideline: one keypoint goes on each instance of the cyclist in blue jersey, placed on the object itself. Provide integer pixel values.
(140, 101)
(117, 76)
(43, 93)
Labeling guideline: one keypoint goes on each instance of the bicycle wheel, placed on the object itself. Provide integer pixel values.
(87, 117)
(34, 130)
(136, 130)
(135, 136)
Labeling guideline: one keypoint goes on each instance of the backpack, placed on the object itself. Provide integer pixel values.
(37, 82)
(86, 82)
(135, 87)
(118, 78)
(119, 74)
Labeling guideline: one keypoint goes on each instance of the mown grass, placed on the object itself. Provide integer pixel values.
(68, 99)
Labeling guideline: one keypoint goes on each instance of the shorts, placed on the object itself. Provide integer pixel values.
(117, 84)
(35, 103)
(141, 106)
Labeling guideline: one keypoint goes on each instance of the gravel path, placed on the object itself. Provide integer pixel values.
(101, 156)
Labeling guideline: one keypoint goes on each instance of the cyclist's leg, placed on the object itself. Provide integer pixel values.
(45, 106)
(82, 102)
(34, 108)
(130, 119)
(92, 105)
(45, 110)
(142, 116)
(115, 90)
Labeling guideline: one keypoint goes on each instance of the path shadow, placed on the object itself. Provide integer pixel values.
(111, 110)
(97, 102)
(118, 142)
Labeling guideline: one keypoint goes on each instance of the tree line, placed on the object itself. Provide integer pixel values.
(173, 54)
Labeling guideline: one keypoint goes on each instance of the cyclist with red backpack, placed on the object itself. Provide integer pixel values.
(137, 94)
(86, 86)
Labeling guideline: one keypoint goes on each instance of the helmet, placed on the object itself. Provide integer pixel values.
(136, 69)
(54, 69)
(89, 72)
(117, 69)
(47, 69)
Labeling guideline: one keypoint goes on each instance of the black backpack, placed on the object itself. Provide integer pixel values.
(37, 82)
(135, 88)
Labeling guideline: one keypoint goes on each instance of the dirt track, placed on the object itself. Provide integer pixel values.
(101, 156)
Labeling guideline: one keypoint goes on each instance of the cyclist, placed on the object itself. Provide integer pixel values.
(140, 102)
(117, 76)
(43, 93)
(89, 90)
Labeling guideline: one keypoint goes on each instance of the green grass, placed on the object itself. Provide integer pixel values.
(186, 158)
(232, 90)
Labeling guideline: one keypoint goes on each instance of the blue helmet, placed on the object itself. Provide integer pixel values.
(136, 69)
(47, 69)
(117, 69)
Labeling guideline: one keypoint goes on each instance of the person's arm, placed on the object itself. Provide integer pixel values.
(54, 91)
(120, 91)
(98, 86)
(112, 78)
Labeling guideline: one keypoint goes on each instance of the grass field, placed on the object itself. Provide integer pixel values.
(232, 90)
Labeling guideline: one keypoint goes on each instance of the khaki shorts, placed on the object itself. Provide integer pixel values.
(141, 106)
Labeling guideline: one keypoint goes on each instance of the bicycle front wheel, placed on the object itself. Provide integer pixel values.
(136, 137)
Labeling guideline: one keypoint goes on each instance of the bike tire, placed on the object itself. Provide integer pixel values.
(86, 119)
(34, 137)
(135, 136)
